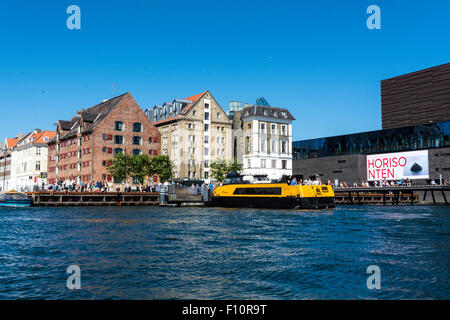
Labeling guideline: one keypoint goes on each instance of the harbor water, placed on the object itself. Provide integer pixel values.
(217, 253)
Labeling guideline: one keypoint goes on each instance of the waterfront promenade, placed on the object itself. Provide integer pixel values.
(401, 195)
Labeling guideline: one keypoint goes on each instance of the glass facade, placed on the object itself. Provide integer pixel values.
(435, 135)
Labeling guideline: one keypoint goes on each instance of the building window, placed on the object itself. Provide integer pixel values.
(274, 164)
(218, 115)
(79, 166)
(249, 163)
(206, 163)
(283, 147)
(194, 113)
(284, 164)
(263, 163)
(206, 175)
(137, 127)
(206, 139)
(206, 105)
(206, 151)
(206, 127)
(117, 151)
(206, 115)
(118, 126)
(137, 140)
(118, 139)
(136, 152)
(274, 128)
(107, 136)
(38, 165)
(284, 130)
(38, 151)
(263, 127)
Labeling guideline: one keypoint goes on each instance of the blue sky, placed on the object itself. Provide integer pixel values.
(316, 58)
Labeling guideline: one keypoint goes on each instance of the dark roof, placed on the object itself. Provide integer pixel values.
(65, 125)
(92, 116)
(264, 111)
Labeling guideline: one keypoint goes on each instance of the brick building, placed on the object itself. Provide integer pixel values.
(82, 146)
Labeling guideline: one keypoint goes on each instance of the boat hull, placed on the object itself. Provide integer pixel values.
(274, 202)
(15, 203)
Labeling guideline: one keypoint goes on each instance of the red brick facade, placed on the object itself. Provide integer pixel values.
(83, 146)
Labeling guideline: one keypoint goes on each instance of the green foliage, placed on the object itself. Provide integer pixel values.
(123, 166)
(163, 167)
(234, 166)
(220, 168)
(141, 166)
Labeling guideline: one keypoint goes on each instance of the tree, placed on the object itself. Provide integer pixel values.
(121, 166)
(234, 166)
(220, 168)
(141, 167)
(162, 166)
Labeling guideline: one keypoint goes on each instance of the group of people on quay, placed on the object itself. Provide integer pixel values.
(196, 188)
(101, 186)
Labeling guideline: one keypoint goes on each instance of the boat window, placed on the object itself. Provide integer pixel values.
(258, 191)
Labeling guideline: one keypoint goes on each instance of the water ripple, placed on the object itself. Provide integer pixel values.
(199, 253)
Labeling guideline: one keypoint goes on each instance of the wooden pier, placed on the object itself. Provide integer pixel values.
(393, 195)
(68, 199)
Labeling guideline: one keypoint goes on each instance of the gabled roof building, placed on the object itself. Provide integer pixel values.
(29, 159)
(83, 145)
(194, 132)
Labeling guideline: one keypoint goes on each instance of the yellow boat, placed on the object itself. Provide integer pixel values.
(237, 192)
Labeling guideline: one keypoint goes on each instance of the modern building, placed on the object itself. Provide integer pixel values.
(416, 98)
(194, 132)
(29, 157)
(233, 106)
(82, 147)
(416, 131)
(262, 140)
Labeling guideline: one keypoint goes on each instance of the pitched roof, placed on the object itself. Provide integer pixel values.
(10, 143)
(193, 99)
(264, 111)
(94, 115)
(39, 137)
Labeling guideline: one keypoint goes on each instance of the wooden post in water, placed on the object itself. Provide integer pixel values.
(445, 198)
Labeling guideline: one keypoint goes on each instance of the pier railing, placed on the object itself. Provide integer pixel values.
(392, 195)
(94, 198)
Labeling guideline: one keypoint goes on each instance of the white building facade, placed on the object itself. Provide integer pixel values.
(267, 134)
(29, 161)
